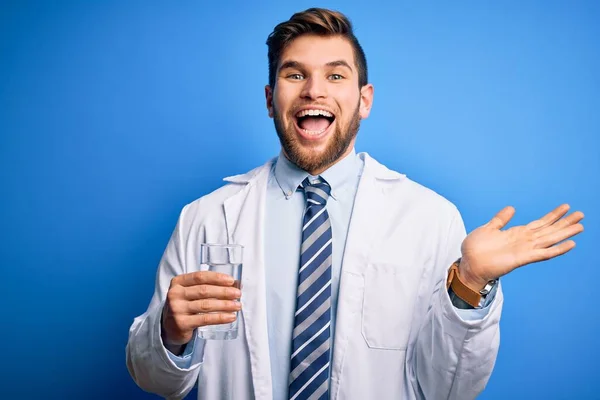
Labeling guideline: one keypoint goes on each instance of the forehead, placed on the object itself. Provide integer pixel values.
(316, 51)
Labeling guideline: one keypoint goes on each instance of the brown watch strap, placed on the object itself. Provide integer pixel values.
(461, 290)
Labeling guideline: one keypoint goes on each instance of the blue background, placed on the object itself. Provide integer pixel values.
(114, 115)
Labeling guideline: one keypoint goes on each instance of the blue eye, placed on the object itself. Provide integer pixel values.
(296, 77)
(336, 77)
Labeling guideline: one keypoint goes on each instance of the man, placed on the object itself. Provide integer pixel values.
(358, 283)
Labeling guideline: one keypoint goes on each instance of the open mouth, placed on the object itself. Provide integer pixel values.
(314, 122)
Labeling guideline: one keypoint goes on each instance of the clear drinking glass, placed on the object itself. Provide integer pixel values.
(226, 259)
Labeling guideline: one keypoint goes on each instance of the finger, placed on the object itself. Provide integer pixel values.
(211, 292)
(203, 278)
(549, 218)
(558, 236)
(554, 251)
(212, 305)
(563, 223)
(190, 322)
(197, 320)
(502, 218)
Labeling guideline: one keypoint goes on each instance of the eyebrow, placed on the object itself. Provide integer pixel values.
(339, 63)
(298, 65)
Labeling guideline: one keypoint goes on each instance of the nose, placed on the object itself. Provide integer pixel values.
(314, 88)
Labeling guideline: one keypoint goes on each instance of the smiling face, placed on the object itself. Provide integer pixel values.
(317, 104)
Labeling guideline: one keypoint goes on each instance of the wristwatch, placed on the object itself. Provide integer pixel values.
(463, 296)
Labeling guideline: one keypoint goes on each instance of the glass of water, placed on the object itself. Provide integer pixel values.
(226, 259)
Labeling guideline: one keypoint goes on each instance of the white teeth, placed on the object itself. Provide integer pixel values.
(314, 112)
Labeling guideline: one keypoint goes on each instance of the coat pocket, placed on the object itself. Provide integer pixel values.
(388, 305)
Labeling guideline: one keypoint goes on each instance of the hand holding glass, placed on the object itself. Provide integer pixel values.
(224, 259)
(206, 300)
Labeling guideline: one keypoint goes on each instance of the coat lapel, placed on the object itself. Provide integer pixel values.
(244, 216)
(365, 230)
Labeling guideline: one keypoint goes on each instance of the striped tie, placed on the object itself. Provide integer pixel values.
(309, 376)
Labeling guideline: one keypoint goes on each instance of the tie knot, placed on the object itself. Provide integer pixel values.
(317, 192)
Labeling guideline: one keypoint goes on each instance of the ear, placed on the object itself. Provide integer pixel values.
(269, 98)
(366, 100)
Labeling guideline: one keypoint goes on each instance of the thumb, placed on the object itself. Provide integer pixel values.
(502, 218)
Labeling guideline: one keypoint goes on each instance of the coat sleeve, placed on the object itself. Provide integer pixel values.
(453, 358)
(149, 363)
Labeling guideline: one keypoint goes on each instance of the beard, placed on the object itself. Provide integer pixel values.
(306, 158)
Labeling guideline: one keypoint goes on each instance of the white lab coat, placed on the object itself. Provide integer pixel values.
(397, 334)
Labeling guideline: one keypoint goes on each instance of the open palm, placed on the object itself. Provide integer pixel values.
(489, 252)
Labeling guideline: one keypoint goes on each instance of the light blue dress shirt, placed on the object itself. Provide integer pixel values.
(283, 236)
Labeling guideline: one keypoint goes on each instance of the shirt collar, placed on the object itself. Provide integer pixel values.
(289, 176)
